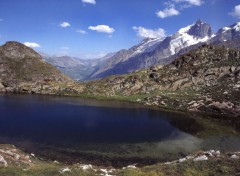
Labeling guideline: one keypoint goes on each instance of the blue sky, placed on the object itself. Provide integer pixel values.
(92, 28)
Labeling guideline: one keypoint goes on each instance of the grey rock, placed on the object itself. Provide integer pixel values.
(200, 29)
(3, 161)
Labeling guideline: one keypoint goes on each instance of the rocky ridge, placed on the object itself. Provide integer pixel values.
(23, 70)
(205, 79)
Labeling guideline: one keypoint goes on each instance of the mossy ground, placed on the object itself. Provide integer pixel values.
(214, 167)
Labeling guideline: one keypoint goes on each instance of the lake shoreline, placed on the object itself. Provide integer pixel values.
(215, 116)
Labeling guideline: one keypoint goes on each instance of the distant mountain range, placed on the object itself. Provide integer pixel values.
(149, 52)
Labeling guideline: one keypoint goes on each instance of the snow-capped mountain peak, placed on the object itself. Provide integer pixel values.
(190, 35)
(234, 27)
(228, 33)
(185, 29)
(147, 45)
(237, 26)
(224, 29)
(151, 51)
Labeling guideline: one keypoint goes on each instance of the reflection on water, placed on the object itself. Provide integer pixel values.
(106, 132)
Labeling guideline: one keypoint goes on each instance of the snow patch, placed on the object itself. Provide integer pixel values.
(184, 40)
(185, 29)
(226, 29)
(237, 27)
(147, 45)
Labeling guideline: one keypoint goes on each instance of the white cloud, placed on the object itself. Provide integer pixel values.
(168, 12)
(102, 28)
(81, 31)
(65, 48)
(32, 44)
(236, 11)
(149, 33)
(65, 24)
(91, 55)
(191, 2)
(89, 1)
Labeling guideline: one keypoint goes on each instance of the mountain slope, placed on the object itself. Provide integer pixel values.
(228, 36)
(23, 70)
(155, 50)
(76, 68)
(205, 79)
(148, 53)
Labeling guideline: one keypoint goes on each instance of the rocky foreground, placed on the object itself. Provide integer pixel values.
(15, 162)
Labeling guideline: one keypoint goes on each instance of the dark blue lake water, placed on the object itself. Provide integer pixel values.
(105, 132)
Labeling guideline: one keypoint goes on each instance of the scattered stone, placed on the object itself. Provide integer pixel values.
(163, 103)
(234, 157)
(131, 167)
(86, 167)
(212, 153)
(104, 171)
(195, 105)
(139, 100)
(189, 157)
(10, 153)
(232, 69)
(28, 157)
(191, 102)
(237, 86)
(66, 169)
(201, 158)
(3, 161)
(182, 160)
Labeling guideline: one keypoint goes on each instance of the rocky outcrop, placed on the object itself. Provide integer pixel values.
(22, 70)
(209, 76)
(11, 156)
(200, 29)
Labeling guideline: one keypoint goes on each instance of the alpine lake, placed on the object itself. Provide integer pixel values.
(116, 133)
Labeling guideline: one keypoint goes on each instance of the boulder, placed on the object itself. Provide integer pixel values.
(153, 75)
(2, 87)
(175, 85)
